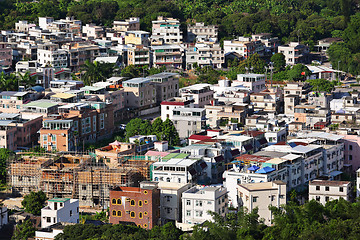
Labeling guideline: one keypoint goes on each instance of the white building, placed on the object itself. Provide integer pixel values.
(205, 54)
(3, 216)
(202, 33)
(166, 31)
(294, 53)
(131, 24)
(60, 210)
(169, 105)
(255, 82)
(358, 183)
(49, 233)
(324, 191)
(201, 93)
(57, 58)
(261, 196)
(170, 200)
(199, 200)
(189, 121)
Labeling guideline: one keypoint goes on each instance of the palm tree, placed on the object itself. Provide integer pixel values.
(8, 82)
(96, 72)
(26, 79)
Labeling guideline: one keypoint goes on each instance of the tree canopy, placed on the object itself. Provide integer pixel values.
(24, 230)
(4, 156)
(322, 85)
(34, 202)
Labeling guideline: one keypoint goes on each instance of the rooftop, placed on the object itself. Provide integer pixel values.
(328, 183)
(59, 200)
(41, 104)
(261, 186)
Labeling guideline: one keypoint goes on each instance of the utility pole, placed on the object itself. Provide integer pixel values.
(271, 74)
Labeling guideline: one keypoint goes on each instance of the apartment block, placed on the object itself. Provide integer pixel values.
(324, 191)
(254, 82)
(244, 46)
(200, 93)
(295, 53)
(202, 33)
(60, 210)
(137, 38)
(166, 84)
(57, 135)
(12, 102)
(188, 121)
(139, 93)
(52, 55)
(131, 24)
(140, 206)
(138, 55)
(204, 54)
(169, 56)
(169, 105)
(6, 55)
(261, 196)
(91, 32)
(199, 200)
(166, 31)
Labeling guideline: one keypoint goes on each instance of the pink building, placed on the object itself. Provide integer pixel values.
(352, 151)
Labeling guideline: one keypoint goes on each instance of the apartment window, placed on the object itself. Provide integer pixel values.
(53, 138)
(317, 188)
(119, 213)
(94, 123)
(198, 203)
(188, 203)
(350, 147)
(45, 138)
(83, 187)
(317, 198)
(327, 199)
(209, 202)
(71, 213)
(48, 219)
(132, 215)
(113, 201)
(119, 201)
(132, 203)
(341, 189)
(255, 199)
(327, 189)
(188, 213)
(198, 213)
(140, 215)
(281, 196)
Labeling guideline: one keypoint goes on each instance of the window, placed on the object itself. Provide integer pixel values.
(113, 201)
(326, 199)
(146, 201)
(317, 198)
(145, 213)
(198, 203)
(119, 201)
(145, 225)
(317, 188)
(350, 157)
(188, 203)
(188, 213)
(53, 138)
(48, 219)
(45, 138)
(341, 189)
(71, 213)
(209, 202)
(350, 147)
(198, 213)
(119, 213)
(140, 203)
(145, 192)
(132, 203)
(327, 189)
(255, 199)
(114, 213)
(132, 214)
(140, 215)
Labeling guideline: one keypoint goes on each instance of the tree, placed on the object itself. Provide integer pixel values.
(26, 79)
(24, 231)
(8, 82)
(34, 202)
(131, 71)
(322, 85)
(299, 72)
(170, 133)
(157, 128)
(4, 156)
(96, 72)
(137, 126)
(279, 62)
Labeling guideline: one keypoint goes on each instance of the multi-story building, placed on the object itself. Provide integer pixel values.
(271, 43)
(324, 191)
(254, 82)
(12, 102)
(3, 216)
(295, 53)
(138, 205)
(139, 93)
(166, 31)
(41, 107)
(6, 55)
(311, 114)
(91, 32)
(51, 55)
(261, 196)
(188, 121)
(170, 200)
(166, 84)
(290, 101)
(57, 135)
(358, 183)
(169, 56)
(202, 33)
(204, 54)
(198, 201)
(137, 38)
(225, 92)
(200, 93)
(244, 46)
(60, 210)
(169, 105)
(131, 24)
(300, 89)
(138, 55)
(23, 26)
(265, 101)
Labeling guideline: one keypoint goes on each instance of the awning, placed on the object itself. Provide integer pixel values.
(248, 147)
(263, 141)
(253, 168)
(335, 173)
(266, 170)
(235, 152)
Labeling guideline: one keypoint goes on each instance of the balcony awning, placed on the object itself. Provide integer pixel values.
(219, 158)
(248, 147)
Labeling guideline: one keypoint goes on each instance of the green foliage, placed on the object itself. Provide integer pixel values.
(299, 72)
(4, 156)
(24, 231)
(208, 75)
(132, 71)
(322, 85)
(96, 72)
(163, 130)
(279, 62)
(253, 64)
(34, 202)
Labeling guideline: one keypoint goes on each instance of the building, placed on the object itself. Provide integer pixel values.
(52, 55)
(324, 191)
(188, 121)
(244, 46)
(295, 53)
(261, 196)
(358, 183)
(254, 82)
(271, 43)
(138, 55)
(202, 33)
(200, 93)
(169, 105)
(60, 210)
(50, 232)
(300, 89)
(91, 32)
(137, 38)
(23, 26)
(199, 200)
(57, 135)
(131, 24)
(6, 55)
(139, 93)
(352, 150)
(169, 56)
(12, 102)
(166, 31)
(137, 205)
(170, 200)
(204, 54)
(167, 85)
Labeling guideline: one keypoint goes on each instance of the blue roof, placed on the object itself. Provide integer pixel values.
(265, 170)
(292, 144)
(253, 168)
(38, 88)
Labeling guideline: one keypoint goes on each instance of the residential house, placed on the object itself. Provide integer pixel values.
(60, 210)
(201, 93)
(295, 53)
(188, 121)
(199, 32)
(169, 56)
(324, 191)
(166, 31)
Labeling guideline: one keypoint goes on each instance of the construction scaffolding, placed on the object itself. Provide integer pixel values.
(78, 176)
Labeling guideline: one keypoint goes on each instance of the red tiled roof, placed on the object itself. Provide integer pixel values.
(172, 103)
(253, 158)
(199, 137)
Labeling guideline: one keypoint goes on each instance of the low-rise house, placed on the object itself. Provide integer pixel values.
(169, 105)
(137, 38)
(199, 200)
(169, 56)
(166, 31)
(137, 205)
(261, 196)
(41, 107)
(60, 210)
(254, 82)
(324, 191)
(188, 121)
(114, 150)
(201, 93)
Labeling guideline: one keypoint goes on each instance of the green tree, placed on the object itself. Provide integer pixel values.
(8, 82)
(137, 126)
(170, 133)
(34, 202)
(157, 128)
(131, 71)
(4, 156)
(322, 85)
(299, 72)
(96, 72)
(26, 80)
(279, 62)
(24, 231)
